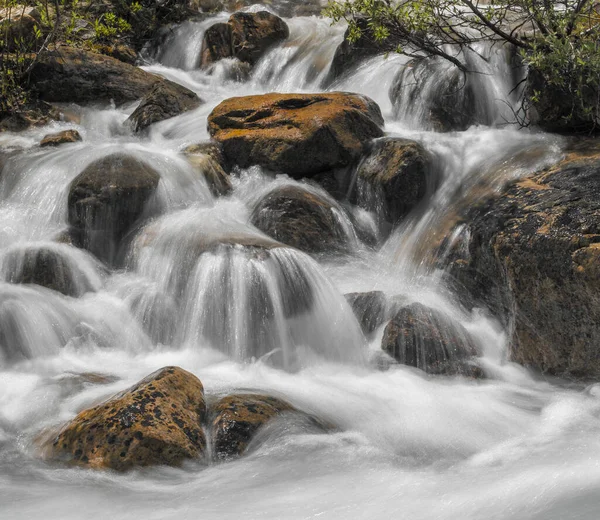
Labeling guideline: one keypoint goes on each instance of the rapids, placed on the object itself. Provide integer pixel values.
(409, 445)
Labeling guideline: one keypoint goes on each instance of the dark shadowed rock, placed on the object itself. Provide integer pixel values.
(165, 100)
(156, 422)
(17, 26)
(236, 419)
(207, 159)
(245, 36)
(107, 199)
(533, 261)
(35, 113)
(298, 134)
(72, 75)
(424, 338)
(47, 267)
(66, 136)
(302, 219)
(393, 178)
(370, 309)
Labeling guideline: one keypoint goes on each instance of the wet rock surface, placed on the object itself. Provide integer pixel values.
(207, 159)
(298, 134)
(532, 259)
(107, 199)
(427, 339)
(236, 419)
(393, 178)
(370, 309)
(301, 219)
(156, 422)
(245, 36)
(165, 100)
(72, 75)
(66, 136)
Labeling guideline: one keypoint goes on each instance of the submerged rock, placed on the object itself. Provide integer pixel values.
(298, 134)
(370, 309)
(533, 261)
(207, 159)
(236, 419)
(165, 100)
(424, 338)
(245, 36)
(393, 178)
(47, 267)
(301, 219)
(66, 136)
(155, 422)
(72, 75)
(107, 199)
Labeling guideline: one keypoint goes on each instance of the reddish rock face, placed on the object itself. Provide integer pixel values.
(156, 422)
(298, 134)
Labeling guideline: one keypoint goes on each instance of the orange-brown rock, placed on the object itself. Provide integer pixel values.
(236, 419)
(297, 134)
(66, 136)
(207, 159)
(156, 422)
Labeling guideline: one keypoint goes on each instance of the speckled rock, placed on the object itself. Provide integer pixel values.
(66, 136)
(298, 134)
(370, 309)
(236, 419)
(156, 422)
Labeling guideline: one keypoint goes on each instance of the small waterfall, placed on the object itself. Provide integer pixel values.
(240, 292)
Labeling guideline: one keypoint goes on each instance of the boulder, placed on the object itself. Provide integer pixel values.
(302, 219)
(107, 199)
(72, 75)
(45, 266)
(427, 339)
(245, 36)
(370, 309)
(285, 8)
(158, 421)
(298, 134)
(393, 178)
(236, 419)
(532, 259)
(437, 93)
(118, 51)
(34, 113)
(165, 100)
(17, 26)
(66, 136)
(207, 159)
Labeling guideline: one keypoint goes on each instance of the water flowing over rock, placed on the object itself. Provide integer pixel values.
(72, 75)
(424, 338)
(54, 266)
(370, 309)
(156, 422)
(303, 219)
(107, 199)
(165, 100)
(245, 36)
(207, 158)
(393, 178)
(297, 134)
(532, 258)
(66, 136)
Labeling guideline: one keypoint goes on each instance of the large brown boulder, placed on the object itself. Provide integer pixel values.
(298, 134)
(302, 219)
(533, 258)
(245, 36)
(165, 100)
(156, 422)
(72, 75)
(107, 199)
(236, 419)
(393, 178)
(427, 339)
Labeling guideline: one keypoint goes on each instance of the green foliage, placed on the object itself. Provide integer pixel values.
(557, 41)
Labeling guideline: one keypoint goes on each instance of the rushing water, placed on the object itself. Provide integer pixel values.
(193, 292)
